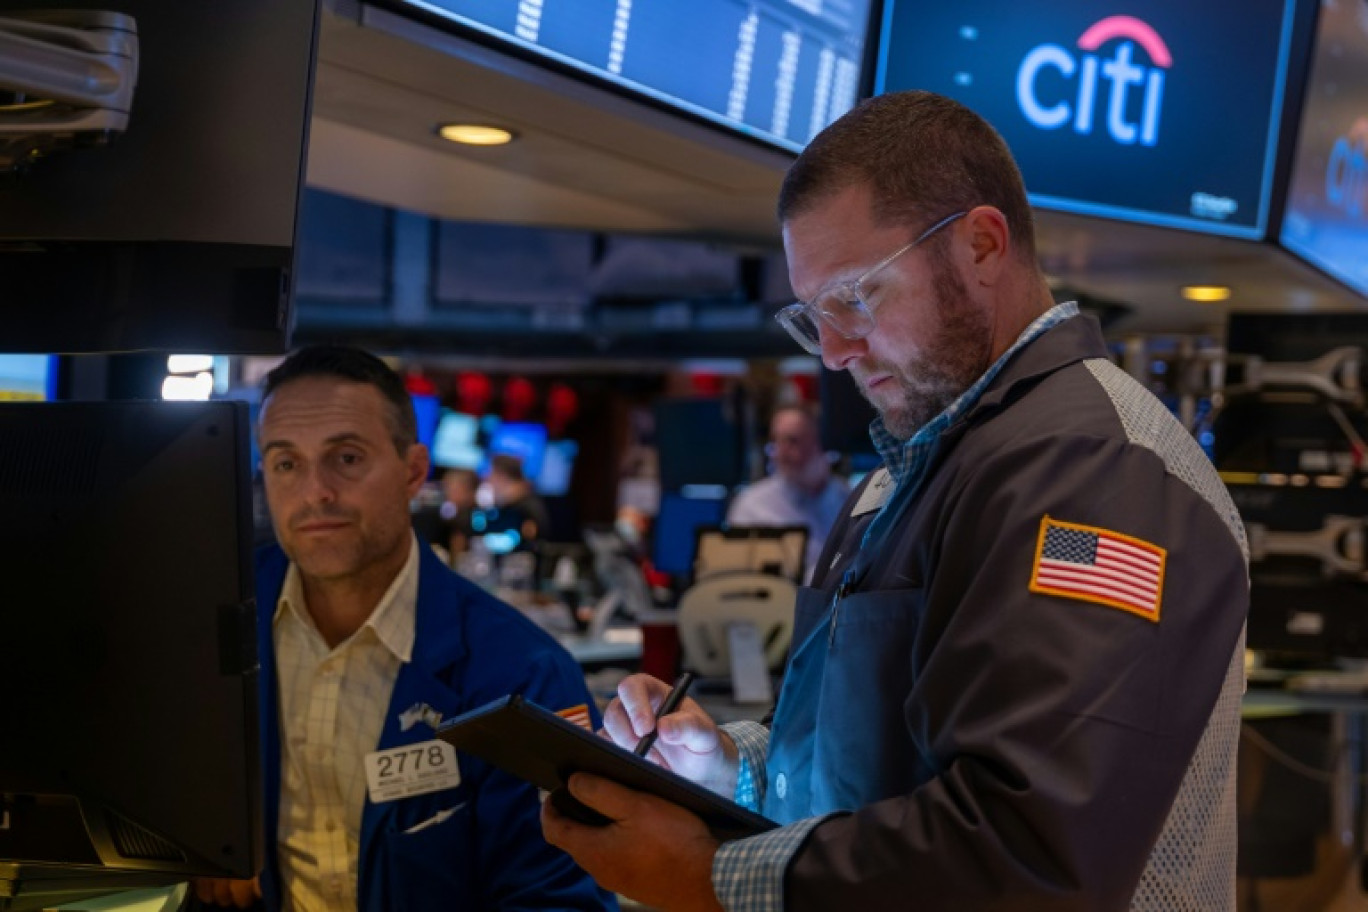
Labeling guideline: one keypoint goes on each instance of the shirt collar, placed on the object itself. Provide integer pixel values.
(800, 496)
(901, 456)
(393, 621)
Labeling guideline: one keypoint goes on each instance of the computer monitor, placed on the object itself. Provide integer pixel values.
(427, 409)
(845, 415)
(128, 665)
(1326, 220)
(1111, 115)
(28, 377)
(454, 443)
(775, 550)
(525, 440)
(558, 466)
(775, 70)
(674, 535)
(179, 234)
(701, 441)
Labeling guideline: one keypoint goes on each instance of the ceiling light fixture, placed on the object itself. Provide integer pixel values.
(475, 134)
(1206, 294)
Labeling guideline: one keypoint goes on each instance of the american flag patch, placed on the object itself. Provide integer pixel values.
(579, 715)
(1098, 565)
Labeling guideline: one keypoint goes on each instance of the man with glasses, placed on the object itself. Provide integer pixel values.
(801, 492)
(1015, 680)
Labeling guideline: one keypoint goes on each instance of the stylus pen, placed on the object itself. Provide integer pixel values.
(672, 701)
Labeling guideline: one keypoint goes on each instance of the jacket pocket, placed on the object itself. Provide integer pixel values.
(431, 861)
(868, 675)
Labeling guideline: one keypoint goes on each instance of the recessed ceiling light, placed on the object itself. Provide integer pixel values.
(475, 134)
(1207, 294)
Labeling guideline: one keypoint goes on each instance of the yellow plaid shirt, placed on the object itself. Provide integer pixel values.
(332, 711)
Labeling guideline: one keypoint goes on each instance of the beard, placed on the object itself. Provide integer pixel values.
(948, 364)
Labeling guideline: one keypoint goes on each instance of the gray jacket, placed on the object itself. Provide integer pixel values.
(1034, 750)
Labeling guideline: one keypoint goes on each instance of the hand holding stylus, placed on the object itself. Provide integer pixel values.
(670, 704)
(682, 738)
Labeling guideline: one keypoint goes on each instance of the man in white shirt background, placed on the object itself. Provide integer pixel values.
(802, 491)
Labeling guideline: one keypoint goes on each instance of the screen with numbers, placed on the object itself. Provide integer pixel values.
(1158, 111)
(779, 70)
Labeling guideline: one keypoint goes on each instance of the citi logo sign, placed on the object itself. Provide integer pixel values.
(1087, 72)
(1346, 178)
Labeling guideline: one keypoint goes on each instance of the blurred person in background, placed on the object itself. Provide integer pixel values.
(518, 506)
(455, 523)
(802, 491)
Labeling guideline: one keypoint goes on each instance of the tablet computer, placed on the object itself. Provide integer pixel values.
(535, 744)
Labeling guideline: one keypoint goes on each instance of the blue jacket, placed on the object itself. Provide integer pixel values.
(469, 648)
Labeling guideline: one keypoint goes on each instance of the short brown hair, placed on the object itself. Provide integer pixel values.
(924, 156)
(507, 465)
(346, 363)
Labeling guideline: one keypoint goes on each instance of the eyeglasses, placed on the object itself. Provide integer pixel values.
(844, 306)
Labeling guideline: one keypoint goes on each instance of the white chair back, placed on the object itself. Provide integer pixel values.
(707, 607)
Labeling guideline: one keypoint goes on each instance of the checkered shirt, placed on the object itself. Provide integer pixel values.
(332, 711)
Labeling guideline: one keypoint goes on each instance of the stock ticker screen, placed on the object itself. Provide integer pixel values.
(1158, 111)
(1326, 221)
(779, 70)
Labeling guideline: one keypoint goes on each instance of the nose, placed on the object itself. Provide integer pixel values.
(318, 487)
(838, 352)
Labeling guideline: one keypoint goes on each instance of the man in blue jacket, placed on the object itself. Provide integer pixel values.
(368, 642)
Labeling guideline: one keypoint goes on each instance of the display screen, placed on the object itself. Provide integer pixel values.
(1326, 221)
(427, 410)
(26, 377)
(775, 69)
(675, 535)
(128, 658)
(178, 233)
(455, 443)
(558, 466)
(1163, 112)
(524, 440)
(682, 426)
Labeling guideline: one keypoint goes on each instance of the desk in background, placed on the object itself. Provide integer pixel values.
(1303, 792)
(617, 646)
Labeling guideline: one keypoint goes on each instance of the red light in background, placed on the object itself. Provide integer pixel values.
(519, 397)
(473, 392)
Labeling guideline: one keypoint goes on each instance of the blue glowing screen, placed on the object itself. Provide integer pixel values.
(1159, 111)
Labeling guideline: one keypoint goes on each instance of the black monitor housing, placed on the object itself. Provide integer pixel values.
(128, 662)
(176, 231)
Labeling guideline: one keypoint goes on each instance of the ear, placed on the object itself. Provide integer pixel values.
(417, 461)
(990, 240)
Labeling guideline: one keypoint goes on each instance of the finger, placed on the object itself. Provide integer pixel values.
(559, 830)
(641, 695)
(617, 726)
(204, 889)
(242, 893)
(223, 892)
(694, 731)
